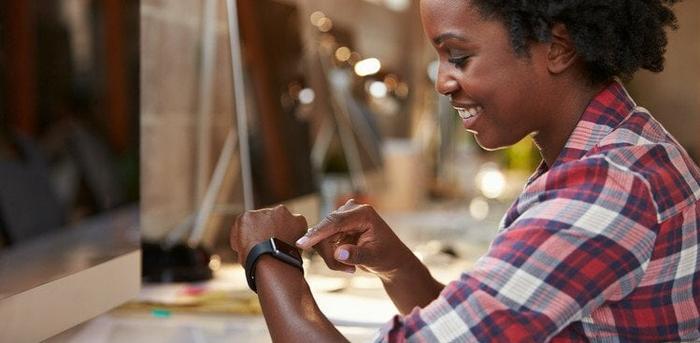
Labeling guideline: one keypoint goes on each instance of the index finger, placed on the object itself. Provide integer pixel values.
(337, 221)
(327, 227)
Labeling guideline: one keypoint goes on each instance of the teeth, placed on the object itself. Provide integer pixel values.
(466, 113)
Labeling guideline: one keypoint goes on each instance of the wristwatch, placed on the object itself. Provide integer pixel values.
(275, 247)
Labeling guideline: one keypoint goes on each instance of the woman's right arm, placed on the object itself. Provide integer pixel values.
(411, 286)
(356, 236)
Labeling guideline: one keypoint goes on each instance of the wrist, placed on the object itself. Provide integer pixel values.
(267, 263)
(271, 271)
(247, 248)
(409, 267)
(275, 248)
(411, 286)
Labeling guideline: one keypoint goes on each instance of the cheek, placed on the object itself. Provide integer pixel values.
(491, 83)
(514, 98)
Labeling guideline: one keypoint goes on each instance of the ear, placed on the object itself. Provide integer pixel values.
(562, 52)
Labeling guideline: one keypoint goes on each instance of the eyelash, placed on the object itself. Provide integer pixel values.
(458, 62)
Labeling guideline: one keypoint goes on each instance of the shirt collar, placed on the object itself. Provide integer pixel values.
(605, 112)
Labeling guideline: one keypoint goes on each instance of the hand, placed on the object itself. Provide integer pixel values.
(253, 227)
(355, 235)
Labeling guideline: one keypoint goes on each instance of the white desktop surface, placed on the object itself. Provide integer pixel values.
(357, 317)
(356, 304)
(57, 281)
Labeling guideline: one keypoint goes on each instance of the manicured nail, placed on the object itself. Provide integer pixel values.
(343, 254)
(302, 240)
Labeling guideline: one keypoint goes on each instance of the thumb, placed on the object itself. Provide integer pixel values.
(351, 254)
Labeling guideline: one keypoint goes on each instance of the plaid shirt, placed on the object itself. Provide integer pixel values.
(602, 246)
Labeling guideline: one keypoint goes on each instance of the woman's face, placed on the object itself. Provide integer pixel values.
(498, 94)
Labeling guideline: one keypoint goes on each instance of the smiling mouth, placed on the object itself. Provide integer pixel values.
(468, 112)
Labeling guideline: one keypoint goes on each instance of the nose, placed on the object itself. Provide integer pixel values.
(445, 82)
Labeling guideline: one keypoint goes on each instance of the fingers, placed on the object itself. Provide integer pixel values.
(327, 227)
(351, 255)
(301, 220)
(351, 203)
(233, 234)
(281, 207)
(343, 219)
(285, 212)
(326, 250)
(252, 227)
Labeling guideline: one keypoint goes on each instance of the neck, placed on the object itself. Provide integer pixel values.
(564, 117)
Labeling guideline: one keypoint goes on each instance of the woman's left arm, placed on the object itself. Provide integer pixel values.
(289, 308)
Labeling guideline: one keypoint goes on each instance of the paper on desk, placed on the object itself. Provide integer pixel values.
(194, 298)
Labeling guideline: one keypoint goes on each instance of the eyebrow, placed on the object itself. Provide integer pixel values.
(449, 35)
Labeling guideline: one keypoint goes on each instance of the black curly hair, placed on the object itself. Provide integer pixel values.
(615, 38)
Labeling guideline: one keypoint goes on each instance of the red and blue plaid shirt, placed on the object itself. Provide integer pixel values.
(601, 246)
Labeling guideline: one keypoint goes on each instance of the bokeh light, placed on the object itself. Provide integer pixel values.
(343, 53)
(367, 67)
(377, 89)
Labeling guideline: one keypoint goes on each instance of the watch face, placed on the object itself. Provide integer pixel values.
(285, 248)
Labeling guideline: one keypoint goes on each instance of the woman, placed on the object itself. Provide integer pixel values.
(602, 245)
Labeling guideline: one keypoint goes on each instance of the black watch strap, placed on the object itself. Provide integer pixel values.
(275, 247)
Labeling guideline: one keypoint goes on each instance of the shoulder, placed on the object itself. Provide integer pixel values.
(599, 180)
(641, 151)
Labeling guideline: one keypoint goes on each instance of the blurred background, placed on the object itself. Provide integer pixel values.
(340, 103)
(307, 102)
(69, 162)
(69, 113)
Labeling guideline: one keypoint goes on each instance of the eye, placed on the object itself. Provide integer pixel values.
(458, 62)
(458, 57)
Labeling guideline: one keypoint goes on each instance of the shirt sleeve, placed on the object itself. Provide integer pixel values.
(586, 238)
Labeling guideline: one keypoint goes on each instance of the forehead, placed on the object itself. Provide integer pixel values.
(445, 9)
(448, 15)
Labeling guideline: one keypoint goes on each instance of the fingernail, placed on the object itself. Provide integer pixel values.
(302, 240)
(343, 254)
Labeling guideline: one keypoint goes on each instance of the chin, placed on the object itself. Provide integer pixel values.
(488, 145)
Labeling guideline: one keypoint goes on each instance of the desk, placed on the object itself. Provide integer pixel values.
(356, 304)
(166, 324)
(58, 280)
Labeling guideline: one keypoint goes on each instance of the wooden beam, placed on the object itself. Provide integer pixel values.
(20, 74)
(277, 163)
(117, 100)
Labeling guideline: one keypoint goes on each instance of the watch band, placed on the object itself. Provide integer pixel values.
(275, 247)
